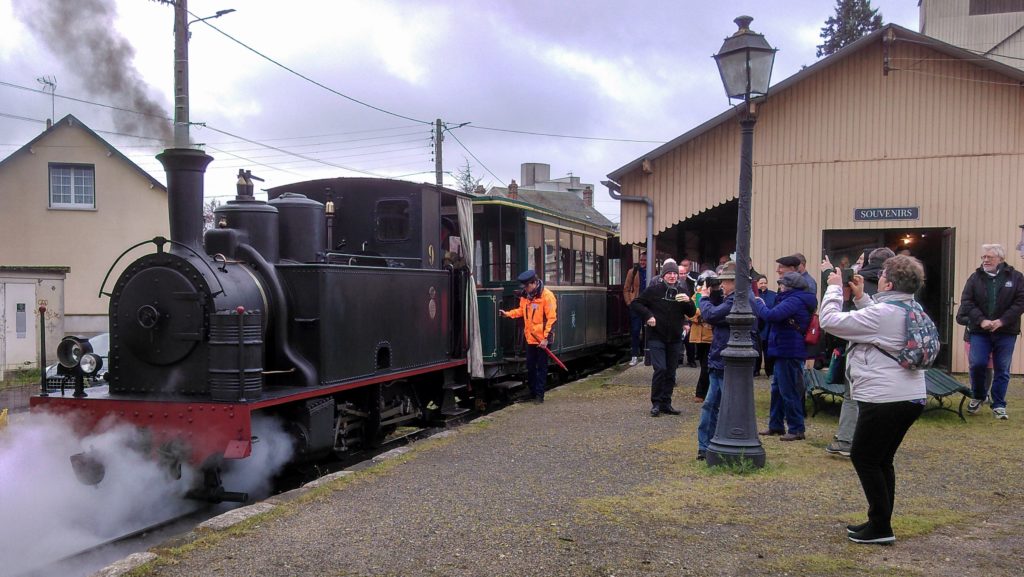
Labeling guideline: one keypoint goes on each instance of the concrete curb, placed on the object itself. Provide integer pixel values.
(122, 567)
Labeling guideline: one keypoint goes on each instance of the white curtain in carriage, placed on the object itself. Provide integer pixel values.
(475, 353)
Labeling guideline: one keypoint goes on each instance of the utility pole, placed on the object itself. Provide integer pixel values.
(438, 165)
(181, 137)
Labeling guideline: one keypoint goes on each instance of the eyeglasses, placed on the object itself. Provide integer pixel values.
(988, 257)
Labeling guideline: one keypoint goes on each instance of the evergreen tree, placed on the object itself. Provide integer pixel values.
(853, 19)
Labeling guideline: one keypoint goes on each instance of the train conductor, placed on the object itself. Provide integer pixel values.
(538, 309)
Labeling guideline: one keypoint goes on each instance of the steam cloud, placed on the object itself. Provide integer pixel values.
(82, 34)
(47, 514)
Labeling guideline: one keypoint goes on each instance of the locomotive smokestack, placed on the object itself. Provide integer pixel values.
(185, 168)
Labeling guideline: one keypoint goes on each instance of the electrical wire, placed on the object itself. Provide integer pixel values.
(468, 151)
(306, 78)
(552, 135)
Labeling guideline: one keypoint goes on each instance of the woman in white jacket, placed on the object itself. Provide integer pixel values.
(890, 397)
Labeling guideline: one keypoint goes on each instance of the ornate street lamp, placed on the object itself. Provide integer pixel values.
(745, 63)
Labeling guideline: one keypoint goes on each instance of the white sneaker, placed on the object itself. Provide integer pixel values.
(634, 361)
(974, 406)
(1000, 413)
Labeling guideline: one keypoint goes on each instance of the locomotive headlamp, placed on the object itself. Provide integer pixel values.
(71, 349)
(90, 363)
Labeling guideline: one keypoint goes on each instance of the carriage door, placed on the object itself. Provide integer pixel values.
(19, 326)
(947, 304)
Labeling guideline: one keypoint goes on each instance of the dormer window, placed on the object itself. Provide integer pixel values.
(73, 186)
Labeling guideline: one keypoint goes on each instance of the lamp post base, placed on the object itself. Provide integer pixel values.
(736, 439)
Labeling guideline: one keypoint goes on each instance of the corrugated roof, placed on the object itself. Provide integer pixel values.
(901, 34)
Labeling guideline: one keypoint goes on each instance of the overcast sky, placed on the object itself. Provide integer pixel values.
(604, 69)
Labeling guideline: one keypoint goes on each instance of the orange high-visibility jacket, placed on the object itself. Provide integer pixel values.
(539, 316)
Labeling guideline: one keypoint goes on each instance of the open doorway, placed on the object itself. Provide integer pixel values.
(932, 246)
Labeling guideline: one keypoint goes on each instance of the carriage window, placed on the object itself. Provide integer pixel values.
(588, 256)
(550, 258)
(510, 223)
(534, 246)
(599, 277)
(564, 257)
(577, 258)
(393, 220)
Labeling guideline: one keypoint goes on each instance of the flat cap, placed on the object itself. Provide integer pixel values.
(790, 261)
(527, 276)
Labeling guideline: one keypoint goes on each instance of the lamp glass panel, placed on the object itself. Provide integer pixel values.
(733, 68)
(761, 70)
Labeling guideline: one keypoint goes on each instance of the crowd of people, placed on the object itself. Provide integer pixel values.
(878, 341)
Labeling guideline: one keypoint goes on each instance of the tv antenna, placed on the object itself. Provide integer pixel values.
(50, 83)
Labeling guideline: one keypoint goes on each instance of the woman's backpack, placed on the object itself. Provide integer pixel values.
(922, 346)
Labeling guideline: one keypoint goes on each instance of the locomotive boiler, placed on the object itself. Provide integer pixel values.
(333, 311)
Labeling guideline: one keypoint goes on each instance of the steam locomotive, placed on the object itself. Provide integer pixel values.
(341, 306)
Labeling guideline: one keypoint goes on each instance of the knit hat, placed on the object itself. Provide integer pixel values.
(727, 271)
(669, 266)
(793, 280)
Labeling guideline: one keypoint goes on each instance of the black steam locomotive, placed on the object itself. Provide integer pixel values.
(340, 306)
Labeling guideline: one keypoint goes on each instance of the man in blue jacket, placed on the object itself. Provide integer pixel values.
(787, 322)
(715, 306)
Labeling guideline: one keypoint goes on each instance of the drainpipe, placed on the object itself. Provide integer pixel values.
(615, 191)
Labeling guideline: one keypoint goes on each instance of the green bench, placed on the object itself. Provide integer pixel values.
(818, 387)
(939, 385)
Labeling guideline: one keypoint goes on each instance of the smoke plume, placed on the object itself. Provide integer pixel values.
(83, 36)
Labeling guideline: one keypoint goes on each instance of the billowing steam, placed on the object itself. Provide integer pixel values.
(271, 450)
(46, 514)
(82, 34)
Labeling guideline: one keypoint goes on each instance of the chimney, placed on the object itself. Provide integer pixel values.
(513, 190)
(588, 196)
(185, 168)
(479, 190)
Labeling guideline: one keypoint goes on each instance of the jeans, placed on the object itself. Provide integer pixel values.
(703, 381)
(709, 410)
(763, 360)
(536, 370)
(880, 430)
(636, 323)
(847, 417)
(787, 400)
(1000, 347)
(664, 359)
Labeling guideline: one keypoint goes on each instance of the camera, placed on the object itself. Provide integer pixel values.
(670, 293)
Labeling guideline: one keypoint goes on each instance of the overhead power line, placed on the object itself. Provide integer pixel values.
(552, 135)
(468, 151)
(307, 78)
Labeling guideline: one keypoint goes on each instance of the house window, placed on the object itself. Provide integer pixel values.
(72, 186)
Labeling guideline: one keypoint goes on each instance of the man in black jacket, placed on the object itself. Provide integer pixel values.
(991, 306)
(664, 306)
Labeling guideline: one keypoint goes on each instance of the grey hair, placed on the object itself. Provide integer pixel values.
(996, 248)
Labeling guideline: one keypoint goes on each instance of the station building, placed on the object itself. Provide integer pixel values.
(897, 140)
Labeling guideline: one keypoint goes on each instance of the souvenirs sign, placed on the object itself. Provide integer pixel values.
(903, 213)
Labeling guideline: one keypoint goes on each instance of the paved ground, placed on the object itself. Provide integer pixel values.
(588, 484)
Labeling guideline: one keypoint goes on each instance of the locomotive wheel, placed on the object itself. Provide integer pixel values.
(394, 403)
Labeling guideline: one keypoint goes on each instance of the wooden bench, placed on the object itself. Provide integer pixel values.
(817, 386)
(939, 386)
